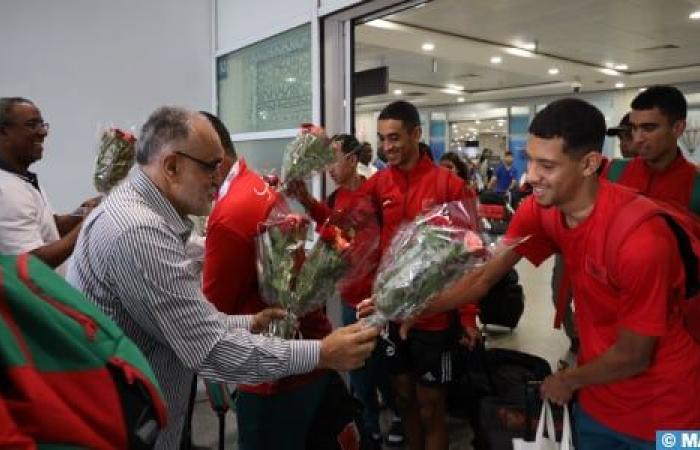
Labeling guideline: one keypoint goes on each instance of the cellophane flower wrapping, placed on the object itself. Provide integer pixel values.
(303, 283)
(308, 153)
(115, 157)
(425, 256)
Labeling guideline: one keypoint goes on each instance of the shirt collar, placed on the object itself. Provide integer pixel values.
(236, 169)
(144, 186)
(423, 165)
(29, 177)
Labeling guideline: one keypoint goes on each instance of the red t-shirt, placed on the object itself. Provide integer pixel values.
(361, 288)
(401, 196)
(673, 184)
(650, 276)
(230, 278)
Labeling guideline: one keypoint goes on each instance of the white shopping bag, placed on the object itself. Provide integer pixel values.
(549, 442)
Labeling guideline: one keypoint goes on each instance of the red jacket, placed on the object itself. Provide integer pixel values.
(401, 196)
(230, 278)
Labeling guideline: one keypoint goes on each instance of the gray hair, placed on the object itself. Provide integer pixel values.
(6, 104)
(165, 125)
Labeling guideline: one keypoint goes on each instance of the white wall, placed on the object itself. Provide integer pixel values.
(86, 62)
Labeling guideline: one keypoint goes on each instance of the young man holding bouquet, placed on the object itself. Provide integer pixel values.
(419, 367)
(638, 367)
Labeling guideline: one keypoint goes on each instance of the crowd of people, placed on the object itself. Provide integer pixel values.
(637, 368)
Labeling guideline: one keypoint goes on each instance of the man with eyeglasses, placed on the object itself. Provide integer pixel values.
(27, 221)
(130, 260)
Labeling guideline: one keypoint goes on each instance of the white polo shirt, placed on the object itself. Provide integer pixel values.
(26, 218)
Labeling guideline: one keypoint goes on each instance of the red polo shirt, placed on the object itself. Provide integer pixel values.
(230, 278)
(401, 196)
(650, 275)
(673, 184)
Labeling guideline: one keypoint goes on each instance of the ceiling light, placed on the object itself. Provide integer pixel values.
(496, 60)
(519, 52)
(531, 46)
(460, 99)
(621, 67)
(458, 87)
(452, 91)
(619, 85)
(381, 23)
(695, 15)
(553, 71)
(428, 46)
(398, 92)
(642, 89)
(608, 71)
(478, 122)
(610, 64)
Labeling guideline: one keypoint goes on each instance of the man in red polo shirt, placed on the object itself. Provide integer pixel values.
(638, 368)
(660, 170)
(279, 415)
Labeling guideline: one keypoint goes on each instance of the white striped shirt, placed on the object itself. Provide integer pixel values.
(130, 260)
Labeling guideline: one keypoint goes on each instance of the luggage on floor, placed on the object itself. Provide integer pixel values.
(504, 304)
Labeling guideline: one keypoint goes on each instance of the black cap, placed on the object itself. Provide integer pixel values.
(622, 127)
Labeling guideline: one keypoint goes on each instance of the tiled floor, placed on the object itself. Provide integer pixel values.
(534, 334)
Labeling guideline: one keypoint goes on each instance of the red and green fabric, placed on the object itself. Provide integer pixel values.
(71, 378)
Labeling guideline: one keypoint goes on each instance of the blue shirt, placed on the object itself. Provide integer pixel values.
(504, 177)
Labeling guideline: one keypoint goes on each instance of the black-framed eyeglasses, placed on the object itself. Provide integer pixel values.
(209, 167)
(34, 124)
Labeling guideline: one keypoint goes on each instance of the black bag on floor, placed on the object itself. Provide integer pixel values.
(495, 390)
(504, 304)
(334, 427)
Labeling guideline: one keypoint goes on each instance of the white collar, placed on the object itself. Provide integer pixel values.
(233, 173)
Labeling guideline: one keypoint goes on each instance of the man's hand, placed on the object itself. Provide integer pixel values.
(472, 337)
(557, 388)
(262, 319)
(297, 189)
(347, 348)
(366, 308)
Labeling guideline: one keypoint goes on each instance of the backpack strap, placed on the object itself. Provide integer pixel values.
(615, 169)
(627, 218)
(695, 195)
(630, 217)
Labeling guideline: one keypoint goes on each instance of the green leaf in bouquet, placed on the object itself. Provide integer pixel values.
(306, 154)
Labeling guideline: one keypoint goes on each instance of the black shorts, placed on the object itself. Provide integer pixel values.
(425, 354)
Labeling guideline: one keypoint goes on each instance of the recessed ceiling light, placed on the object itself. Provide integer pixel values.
(380, 23)
(398, 92)
(642, 89)
(457, 87)
(619, 85)
(610, 64)
(460, 99)
(452, 91)
(520, 52)
(428, 46)
(608, 71)
(478, 122)
(621, 67)
(531, 46)
(553, 71)
(496, 60)
(695, 15)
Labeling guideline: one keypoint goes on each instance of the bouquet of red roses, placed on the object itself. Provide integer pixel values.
(309, 152)
(302, 283)
(116, 155)
(423, 258)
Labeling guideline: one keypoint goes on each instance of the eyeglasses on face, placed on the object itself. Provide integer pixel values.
(209, 167)
(33, 124)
